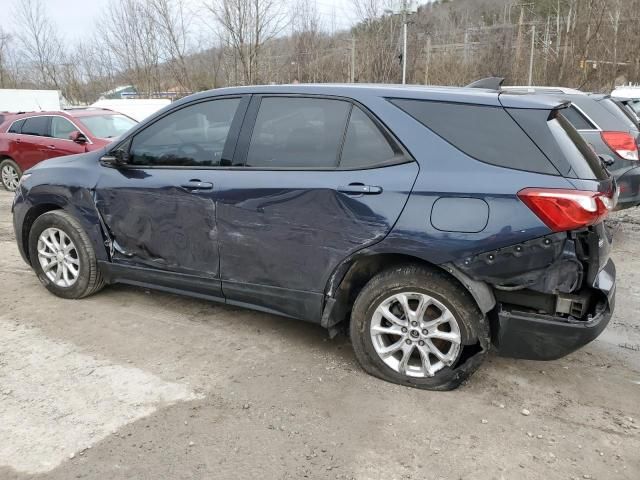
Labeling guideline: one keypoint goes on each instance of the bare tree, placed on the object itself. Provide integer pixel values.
(128, 32)
(248, 25)
(6, 77)
(40, 42)
(172, 22)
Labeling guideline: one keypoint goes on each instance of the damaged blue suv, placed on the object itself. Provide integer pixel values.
(431, 223)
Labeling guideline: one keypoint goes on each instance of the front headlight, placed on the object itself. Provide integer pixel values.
(22, 179)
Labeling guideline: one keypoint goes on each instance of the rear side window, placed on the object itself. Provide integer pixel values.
(297, 133)
(36, 126)
(16, 127)
(365, 145)
(483, 132)
(577, 119)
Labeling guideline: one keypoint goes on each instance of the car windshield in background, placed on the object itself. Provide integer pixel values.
(616, 111)
(108, 126)
(575, 148)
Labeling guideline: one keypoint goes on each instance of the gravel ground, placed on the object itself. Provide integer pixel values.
(131, 383)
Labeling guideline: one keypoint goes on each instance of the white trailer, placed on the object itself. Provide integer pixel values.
(136, 108)
(631, 91)
(19, 100)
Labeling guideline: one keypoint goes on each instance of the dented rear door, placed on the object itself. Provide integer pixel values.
(319, 180)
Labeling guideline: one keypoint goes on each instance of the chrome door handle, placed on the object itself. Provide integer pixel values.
(360, 189)
(197, 185)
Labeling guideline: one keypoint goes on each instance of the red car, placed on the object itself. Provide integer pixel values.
(29, 138)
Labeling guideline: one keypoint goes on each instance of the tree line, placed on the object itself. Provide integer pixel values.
(169, 45)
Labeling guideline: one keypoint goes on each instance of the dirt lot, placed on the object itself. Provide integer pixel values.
(137, 384)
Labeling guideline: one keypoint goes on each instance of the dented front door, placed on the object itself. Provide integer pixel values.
(160, 208)
(155, 221)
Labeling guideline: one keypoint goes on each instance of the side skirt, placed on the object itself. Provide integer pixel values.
(301, 305)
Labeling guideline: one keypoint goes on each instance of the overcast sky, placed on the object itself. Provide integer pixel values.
(76, 18)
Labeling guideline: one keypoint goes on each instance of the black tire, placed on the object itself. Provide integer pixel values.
(473, 325)
(7, 162)
(89, 279)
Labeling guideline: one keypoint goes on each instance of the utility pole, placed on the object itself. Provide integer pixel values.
(533, 46)
(518, 57)
(427, 61)
(405, 11)
(353, 59)
(404, 42)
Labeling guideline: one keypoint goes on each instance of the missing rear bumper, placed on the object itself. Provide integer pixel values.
(542, 337)
(534, 336)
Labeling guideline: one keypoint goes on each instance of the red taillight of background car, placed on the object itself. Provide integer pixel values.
(563, 210)
(622, 143)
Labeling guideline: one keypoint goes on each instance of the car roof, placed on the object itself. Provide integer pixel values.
(7, 118)
(79, 112)
(360, 91)
(90, 112)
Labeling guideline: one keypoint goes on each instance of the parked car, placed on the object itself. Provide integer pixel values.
(608, 129)
(630, 96)
(29, 138)
(631, 105)
(429, 222)
(629, 91)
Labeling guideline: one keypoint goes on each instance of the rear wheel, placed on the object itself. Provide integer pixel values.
(10, 174)
(63, 257)
(411, 325)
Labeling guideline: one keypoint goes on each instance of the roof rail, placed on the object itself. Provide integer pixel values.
(491, 83)
(543, 89)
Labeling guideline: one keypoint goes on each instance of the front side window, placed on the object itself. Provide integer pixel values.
(108, 126)
(61, 128)
(294, 132)
(365, 145)
(192, 136)
(36, 126)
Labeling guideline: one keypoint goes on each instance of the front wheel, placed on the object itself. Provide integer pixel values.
(415, 326)
(10, 174)
(63, 257)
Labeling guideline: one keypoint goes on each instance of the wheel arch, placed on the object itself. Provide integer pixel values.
(352, 275)
(30, 217)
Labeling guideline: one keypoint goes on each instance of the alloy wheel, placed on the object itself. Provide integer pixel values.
(10, 177)
(58, 257)
(415, 334)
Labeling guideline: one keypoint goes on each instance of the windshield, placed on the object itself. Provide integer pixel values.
(635, 105)
(616, 111)
(108, 126)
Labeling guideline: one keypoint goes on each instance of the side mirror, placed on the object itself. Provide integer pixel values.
(78, 137)
(115, 159)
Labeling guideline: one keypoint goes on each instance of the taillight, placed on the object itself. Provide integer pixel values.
(563, 210)
(622, 143)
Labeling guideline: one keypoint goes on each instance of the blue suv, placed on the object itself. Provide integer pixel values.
(431, 223)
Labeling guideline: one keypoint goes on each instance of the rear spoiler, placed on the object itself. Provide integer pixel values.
(519, 100)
